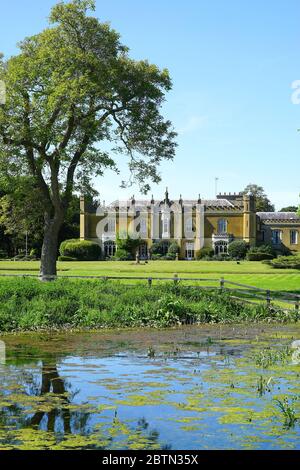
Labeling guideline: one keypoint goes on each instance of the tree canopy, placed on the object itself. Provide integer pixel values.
(72, 87)
(263, 204)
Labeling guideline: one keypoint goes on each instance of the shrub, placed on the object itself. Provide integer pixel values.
(238, 249)
(259, 256)
(122, 255)
(66, 258)
(286, 262)
(206, 252)
(156, 256)
(159, 248)
(126, 248)
(173, 249)
(260, 253)
(3, 254)
(82, 250)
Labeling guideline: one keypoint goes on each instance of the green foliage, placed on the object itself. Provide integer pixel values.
(66, 258)
(286, 262)
(238, 249)
(27, 304)
(173, 249)
(263, 204)
(288, 411)
(126, 248)
(122, 255)
(289, 209)
(159, 248)
(260, 253)
(83, 250)
(206, 252)
(70, 88)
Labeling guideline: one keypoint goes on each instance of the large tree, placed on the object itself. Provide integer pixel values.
(263, 204)
(72, 87)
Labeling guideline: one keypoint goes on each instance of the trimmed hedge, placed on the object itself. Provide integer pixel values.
(82, 250)
(286, 262)
(238, 249)
(259, 256)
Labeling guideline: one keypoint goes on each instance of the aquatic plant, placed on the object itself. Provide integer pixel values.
(270, 357)
(288, 411)
(264, 385)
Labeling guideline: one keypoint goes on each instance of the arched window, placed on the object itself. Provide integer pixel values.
(221, 247)
(222, 226)
(109, 248)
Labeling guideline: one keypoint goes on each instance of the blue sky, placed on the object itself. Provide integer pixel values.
(232, 64)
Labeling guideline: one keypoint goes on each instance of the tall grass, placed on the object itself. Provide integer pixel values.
(27, 304)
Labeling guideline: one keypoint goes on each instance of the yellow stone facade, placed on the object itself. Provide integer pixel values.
(192, 224)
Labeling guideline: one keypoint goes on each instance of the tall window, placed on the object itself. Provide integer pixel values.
(143, 226)
(111, 225)
(294, 237)
(222, 226)
(189, 225)
(166, 224)
(276, 237)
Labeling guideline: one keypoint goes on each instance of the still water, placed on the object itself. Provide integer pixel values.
(197, 387)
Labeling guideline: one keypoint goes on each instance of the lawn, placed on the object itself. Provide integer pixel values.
(251, 273)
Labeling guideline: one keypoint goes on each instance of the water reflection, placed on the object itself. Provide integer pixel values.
(199, 390)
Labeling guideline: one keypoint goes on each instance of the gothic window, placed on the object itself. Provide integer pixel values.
(221, 247)
(109, 249)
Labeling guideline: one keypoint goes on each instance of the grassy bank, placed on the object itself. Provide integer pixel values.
(252, 273)
(27, 304)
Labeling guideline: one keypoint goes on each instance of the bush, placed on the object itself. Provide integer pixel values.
(83, 250)
(156, 257)
(122, 255)
(158, 248)
(260, 253)
(173, 249)
(3, 254)
(259, 256)
(206, 252)
(286, 262)
(66, 258)
(238, 249)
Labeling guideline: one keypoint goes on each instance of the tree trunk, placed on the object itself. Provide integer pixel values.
(49, 250)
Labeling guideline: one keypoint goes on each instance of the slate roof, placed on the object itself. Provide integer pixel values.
(281, 216)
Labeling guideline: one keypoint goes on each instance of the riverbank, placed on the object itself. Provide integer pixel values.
(29, 305)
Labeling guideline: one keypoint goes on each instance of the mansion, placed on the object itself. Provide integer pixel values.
(192, 224)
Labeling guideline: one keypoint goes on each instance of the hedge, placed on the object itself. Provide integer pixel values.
(82, 250)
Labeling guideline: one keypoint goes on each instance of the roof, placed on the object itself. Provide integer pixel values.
(281, 216)
(206, 202)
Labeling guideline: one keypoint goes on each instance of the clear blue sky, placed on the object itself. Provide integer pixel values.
(232, 64)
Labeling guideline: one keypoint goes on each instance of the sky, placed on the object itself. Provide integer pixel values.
(232, 64)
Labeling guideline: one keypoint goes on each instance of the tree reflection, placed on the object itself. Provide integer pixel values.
(57, 413)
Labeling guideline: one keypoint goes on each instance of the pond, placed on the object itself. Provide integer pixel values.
(193, 387)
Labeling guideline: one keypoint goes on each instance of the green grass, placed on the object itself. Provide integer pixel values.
(28, 304)
(251, 273)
